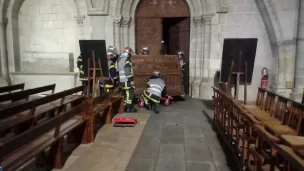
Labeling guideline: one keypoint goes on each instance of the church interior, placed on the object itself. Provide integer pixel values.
(241, 77)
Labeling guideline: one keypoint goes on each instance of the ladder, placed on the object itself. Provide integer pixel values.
(92, 75)
(238, 78)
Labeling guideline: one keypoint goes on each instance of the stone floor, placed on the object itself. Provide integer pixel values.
(180, 138)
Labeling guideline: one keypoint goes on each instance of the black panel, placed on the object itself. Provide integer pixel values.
(231, 51)
(99, 47)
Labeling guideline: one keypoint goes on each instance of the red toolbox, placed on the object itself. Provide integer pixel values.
(125, 122)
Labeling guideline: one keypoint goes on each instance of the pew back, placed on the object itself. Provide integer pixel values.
(8, 89)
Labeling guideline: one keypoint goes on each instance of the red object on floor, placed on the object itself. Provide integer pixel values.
(125, 122)
(141, 102)
(166, 100)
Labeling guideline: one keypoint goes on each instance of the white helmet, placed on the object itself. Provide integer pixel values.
(145, 48)
(112, 49)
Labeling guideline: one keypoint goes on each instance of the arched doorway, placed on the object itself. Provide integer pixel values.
(164, 26)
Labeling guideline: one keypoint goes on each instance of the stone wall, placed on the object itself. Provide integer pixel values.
(243, 20)
(48, 27)
(55, 26)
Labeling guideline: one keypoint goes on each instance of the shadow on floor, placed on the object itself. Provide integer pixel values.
(208, 104)
(232, 164)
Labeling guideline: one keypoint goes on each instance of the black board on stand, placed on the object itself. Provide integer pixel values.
(99, 48)
(231, 52)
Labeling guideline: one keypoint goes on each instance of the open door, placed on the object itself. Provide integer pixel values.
(178, 30)
(149, 33)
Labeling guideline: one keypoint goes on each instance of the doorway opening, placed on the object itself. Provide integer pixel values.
(175, 34)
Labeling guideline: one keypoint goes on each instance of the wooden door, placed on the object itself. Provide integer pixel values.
(149, 33)
(179, 39)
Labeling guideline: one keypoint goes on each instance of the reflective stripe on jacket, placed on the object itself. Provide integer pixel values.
(156, 86)
(125, 69)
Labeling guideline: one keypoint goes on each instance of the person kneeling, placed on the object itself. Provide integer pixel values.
(155, 91)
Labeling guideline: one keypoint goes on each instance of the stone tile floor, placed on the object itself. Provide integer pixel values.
(180, 138)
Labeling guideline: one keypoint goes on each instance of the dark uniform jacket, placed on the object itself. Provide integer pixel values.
(125, 71)
(80, 66)
(113, 76)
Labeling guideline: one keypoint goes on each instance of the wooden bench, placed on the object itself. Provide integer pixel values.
(289, 160)
(26, 115)
(9, 89)
(25, 95)
(20, 149)
(252, 131)
(102, 110)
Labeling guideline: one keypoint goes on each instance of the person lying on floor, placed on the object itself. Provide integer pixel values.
(153, 94)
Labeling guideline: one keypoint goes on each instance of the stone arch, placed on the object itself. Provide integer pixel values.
(10, 11)
(200, 30)
(128, 7)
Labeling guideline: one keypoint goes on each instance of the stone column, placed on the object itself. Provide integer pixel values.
(79, 19)
(206, 82)
(117, 24)
(4, 62)
(297, 92)
(198, 57)
(207, 42)
(125, 23)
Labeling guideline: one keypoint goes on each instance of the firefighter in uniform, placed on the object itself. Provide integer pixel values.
(82, 77)
(181, 57)
(145, 50)
(111, 80)
(113, 50)
(126, 79)
(153, 94)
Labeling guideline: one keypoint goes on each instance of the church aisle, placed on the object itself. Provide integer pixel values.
(179, 139)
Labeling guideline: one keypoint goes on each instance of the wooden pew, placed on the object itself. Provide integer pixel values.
(9, 89)
(247, 136)
(102, 110)
(254, 133)
(226, 122)
(293, 124)
(26, 115)
(290, 161)
(25, 95)
(263, 153)
(20, 149)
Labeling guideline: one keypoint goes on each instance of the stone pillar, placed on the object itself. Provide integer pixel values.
(207, 42)
(198, 57)
(206, 82)
(79, 19)
(4, 62)
(297, 92)
(117, 24)
(125, 23)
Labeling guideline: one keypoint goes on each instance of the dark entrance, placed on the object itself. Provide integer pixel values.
(176, 36)
(160, 21)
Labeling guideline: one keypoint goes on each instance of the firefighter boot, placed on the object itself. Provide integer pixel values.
(130, 109)
(156, 108)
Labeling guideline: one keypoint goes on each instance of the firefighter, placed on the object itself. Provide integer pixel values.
(126, 79)
(181, 57)
(155, 91)
(113, 50)
(82, 77)
(145, 50)
(111, 80)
